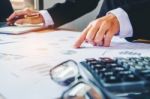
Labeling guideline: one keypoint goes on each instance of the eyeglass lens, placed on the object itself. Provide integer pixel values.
(65, 73)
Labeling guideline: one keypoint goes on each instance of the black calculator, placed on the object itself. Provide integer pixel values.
(120, 76)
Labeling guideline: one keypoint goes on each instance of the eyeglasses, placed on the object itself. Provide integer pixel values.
(67, 74)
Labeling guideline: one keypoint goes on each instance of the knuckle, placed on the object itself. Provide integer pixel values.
(96, 23)
(91, 23)
(108, 37)
(98, 39)
(105, 22)
(89, 38)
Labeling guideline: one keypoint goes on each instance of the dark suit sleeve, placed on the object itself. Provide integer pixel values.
(62, 13)
(5, 9)
(139, 15)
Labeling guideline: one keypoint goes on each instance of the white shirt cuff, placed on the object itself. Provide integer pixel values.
(47, 18)
(126, 29)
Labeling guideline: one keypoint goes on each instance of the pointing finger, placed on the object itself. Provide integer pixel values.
(82, 37)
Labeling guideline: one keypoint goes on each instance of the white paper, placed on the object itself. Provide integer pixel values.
(18, 29)
(25, 63)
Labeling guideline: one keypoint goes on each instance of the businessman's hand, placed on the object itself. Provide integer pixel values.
(100, 31)
(25, 16)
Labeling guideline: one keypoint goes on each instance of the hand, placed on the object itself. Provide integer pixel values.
(100, 31)
(25, 16)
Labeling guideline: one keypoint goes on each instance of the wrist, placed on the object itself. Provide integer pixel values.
(125, 27)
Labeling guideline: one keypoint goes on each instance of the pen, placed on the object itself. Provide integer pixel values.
(32, 16)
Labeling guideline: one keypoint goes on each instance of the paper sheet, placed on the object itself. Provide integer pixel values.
(18, 29)
(25, 63)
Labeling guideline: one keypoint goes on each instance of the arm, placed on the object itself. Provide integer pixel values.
(101, 31)
(58, 15)
(62, 13)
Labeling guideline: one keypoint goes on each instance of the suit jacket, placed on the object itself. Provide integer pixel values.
(137, 10)
(5, 10)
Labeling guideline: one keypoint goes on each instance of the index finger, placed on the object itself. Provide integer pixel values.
(16, 15)
(82, 37)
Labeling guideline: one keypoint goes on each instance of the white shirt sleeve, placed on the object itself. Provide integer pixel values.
(126, 29)
(48, 21)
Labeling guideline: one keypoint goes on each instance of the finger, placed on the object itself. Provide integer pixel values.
(10, 23)
(16, 15)
(22, 21)
(82, 37)
(29, 21)
(21, 13)
(91, 33)
(100, 43)
(101, 33)
(108, 38)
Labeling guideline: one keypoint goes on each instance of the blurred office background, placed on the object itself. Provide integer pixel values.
(78, 24)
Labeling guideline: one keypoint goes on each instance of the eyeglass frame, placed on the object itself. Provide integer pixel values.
(78, 76)
(75, 82)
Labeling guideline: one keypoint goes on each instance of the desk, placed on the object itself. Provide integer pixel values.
(25, 60)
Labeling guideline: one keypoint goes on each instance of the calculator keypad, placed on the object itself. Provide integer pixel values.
(119, 71)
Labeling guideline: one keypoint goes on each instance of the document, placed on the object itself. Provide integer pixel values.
(14, 30)
(25, 63)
